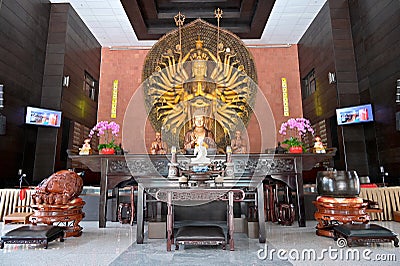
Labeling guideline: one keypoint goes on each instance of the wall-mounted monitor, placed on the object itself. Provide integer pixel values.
(42, 117)
(354, 114)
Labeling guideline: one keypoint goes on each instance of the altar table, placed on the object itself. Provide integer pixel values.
(151, 171)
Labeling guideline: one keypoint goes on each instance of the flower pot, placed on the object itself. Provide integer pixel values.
(296, 149)
(107, 151)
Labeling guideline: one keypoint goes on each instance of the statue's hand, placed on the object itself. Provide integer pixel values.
(193, 137)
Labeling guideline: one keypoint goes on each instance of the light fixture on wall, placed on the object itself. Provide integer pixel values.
(398, 92)
(332, 77)
(65, 82)
(3, 120)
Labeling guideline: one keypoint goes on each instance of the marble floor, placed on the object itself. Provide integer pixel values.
(116, 245)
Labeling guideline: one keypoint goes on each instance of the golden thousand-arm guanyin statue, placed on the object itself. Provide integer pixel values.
(199, 81)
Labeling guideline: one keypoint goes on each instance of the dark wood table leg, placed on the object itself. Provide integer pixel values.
(139, 217)
(115, 203)
(300, 191)
(103, 193)
(300, 200)
(261, 213)
(231, 228)
(170, 225)
(132, 198)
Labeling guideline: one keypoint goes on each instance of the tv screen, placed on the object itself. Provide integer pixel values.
(42, 117)
(354, 114)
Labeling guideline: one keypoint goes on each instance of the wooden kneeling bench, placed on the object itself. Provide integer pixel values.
(200, 235)
(348, 234)
(197, 234)
(33, 234)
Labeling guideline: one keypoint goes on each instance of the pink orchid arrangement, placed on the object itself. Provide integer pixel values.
(106, 129)
(300, 126)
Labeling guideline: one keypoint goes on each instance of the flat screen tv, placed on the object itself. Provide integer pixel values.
(42, 117)
(354, 114)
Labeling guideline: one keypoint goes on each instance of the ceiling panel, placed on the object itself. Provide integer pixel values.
(142, 22)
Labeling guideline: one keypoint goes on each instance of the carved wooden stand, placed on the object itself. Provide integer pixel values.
(69, 215)
(331, 214)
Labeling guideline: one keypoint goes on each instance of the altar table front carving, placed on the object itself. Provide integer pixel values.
(248, 171)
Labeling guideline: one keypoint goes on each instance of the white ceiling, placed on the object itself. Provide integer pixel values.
(108, 22)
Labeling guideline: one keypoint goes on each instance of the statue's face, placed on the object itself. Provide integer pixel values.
(199, 121)
(238, 134)
(158, 136)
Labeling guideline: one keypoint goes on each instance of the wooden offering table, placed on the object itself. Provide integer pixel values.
(247, 171)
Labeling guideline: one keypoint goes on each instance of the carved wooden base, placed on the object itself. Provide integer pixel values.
(286, 214)
(68, 215)
(332, 214)
(326, 231)
(276, 210)
(127, 207)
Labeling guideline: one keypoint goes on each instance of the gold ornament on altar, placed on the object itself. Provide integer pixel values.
(210, 71)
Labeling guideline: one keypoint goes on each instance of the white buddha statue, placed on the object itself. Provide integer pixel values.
(200, 151)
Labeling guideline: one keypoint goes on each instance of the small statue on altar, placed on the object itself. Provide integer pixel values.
(200, 151)
(238, 144)
(279, 149)
(199, 131)
(158, 146)
(86, 149)
(318, 145)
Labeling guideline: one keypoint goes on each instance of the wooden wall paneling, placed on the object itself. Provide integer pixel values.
(83, 110)
(347, 85)
(74, 50)
(330, 49)
(83, 53)
(23, 35)
(376, 31)
(51, 97)
(316, 52)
